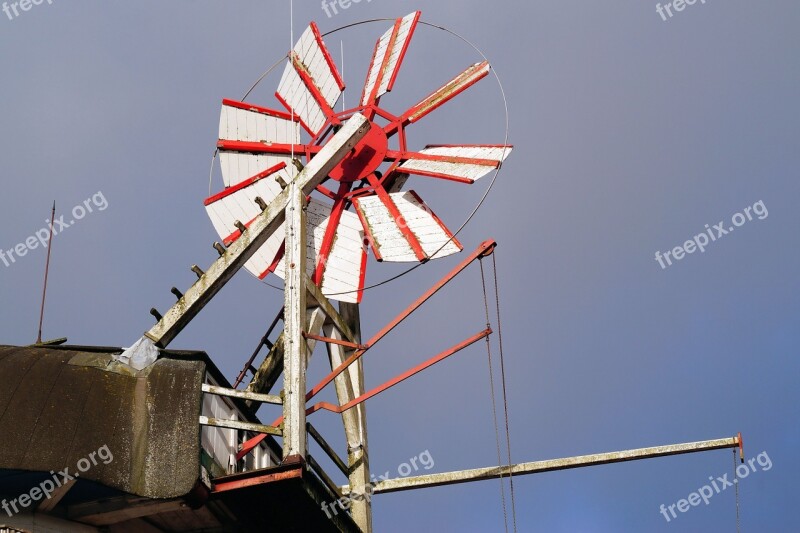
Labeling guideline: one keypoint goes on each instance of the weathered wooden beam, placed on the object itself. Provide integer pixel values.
(330, 310)
(295, 347)
(328, 449)
(244, 395)
(270, 369)
(244, 426)
(536, 467)
(120, 509)
(50, 503)
(234, 258)
(350, 385)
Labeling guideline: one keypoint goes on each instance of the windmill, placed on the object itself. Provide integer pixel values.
(362, 201)
(308, 192)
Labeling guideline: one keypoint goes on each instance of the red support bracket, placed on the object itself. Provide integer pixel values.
(334, 341)
(402, 377)
(741, 446)
(486, 248)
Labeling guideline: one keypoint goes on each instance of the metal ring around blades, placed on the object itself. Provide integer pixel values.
(488, 188)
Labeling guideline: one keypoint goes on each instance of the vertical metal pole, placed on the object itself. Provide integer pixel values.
(46, 272)
(295, 347)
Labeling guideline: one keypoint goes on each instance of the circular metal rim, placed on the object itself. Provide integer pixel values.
(488, 188)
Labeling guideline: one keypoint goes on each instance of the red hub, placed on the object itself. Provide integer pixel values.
(365, 158)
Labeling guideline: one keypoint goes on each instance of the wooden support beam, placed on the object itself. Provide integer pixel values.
(295, 347)
(328, 449)
(238, 253)
(536, 467)
(350, 385)
(244, 395)
(244, 426)
(115, 510)
(50, 503)
(330, 310)
(271, 367)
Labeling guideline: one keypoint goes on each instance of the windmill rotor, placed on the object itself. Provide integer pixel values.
(363, 204)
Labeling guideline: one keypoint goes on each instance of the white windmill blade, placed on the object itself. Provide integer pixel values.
(237, 204)
(311, 83)
(394, 238)
(345, 267)
(240, 121)
(462, 163)
(388, 57)
(447, 92)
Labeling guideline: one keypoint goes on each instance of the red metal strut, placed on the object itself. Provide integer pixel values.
(485, 249)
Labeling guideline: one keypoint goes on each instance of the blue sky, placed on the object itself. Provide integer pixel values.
(632, 133)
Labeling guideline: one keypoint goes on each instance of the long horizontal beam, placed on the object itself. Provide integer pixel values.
(536, 467)
(241, 250)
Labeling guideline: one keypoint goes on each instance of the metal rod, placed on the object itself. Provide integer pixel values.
(323, 476)
(328, 449)
(402, 377)
(46, 272)
(264, 341)
(483, 250)
(330, 340)
(486, 248)
(494, 472)
(244, 395)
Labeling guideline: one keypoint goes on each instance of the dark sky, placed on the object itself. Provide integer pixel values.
(631, 133)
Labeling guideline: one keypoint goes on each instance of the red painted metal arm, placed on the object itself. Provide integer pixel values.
(447, 92)
(486, 248)
(402, 377)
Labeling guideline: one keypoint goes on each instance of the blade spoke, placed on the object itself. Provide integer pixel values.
(266, 147)
(453, 88)
(462, 163)
(330, 232)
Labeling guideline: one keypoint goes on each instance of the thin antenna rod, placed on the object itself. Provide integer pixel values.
(46, 272)
(342, 46)
(291, 49)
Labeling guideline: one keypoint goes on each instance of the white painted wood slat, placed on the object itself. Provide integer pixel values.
(458, 169)
(386, 237)
(295, 93)
(344, 273)
(376, 75)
